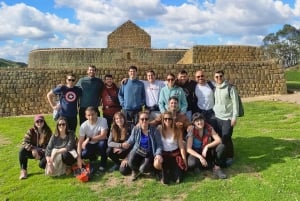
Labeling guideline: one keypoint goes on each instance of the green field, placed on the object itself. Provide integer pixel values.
(266, 167)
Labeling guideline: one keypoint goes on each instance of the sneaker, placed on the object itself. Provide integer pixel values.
(219, 174)
(101, 169)
(229, 162)
(114, 168)
(23, 174)
(135, 175)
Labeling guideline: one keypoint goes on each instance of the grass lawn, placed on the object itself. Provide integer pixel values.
(266, 167)
(293, 79)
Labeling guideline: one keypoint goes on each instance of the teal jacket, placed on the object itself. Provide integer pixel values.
(226, 107)
(166, 92)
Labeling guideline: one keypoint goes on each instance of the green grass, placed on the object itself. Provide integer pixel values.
(293, 79)
(266, 167)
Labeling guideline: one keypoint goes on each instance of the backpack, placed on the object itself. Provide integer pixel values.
(241, 107)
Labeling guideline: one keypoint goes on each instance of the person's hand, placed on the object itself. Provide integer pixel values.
(179, 124)
(124, 163)
(159, 158)
(125, 145)
(190, 129)
(203, 161)
(35, 154)
(204, 151)
(85, 142)
(117, 150)
(233, 122)
(80, 162)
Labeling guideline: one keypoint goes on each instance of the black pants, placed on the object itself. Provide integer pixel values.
(82, 114)
(225, 130)
(68, 159)
(214, 156)
(140, 163)
(24, 155)
(170, 169)
(116, 158)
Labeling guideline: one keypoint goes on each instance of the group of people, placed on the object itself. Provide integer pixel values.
(148, 126)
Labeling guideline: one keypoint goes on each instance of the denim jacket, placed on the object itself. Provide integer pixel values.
(154, 135)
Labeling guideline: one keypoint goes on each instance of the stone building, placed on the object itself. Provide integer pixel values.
(23, 91)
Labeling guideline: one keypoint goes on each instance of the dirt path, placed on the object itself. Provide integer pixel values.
(291, 98)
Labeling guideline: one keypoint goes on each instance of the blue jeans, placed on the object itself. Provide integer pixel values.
(92, 151)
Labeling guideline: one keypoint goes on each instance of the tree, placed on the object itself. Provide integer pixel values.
(284, 45)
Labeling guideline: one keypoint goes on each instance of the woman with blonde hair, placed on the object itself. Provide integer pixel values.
(174, 156)
(119, 133)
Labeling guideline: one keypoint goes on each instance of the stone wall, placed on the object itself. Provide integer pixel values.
(129, 35)
(101, 57)
(23, 91)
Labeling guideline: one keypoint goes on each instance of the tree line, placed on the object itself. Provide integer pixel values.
(284, 45)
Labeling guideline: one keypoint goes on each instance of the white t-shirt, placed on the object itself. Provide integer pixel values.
(89, 130)
(152, 91)
(205, 96)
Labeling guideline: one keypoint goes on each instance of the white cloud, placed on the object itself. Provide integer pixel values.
(194, 22)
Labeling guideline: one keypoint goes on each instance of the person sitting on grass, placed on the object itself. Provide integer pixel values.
(147, 147)
(34, 144)
(92, 139)
(205, 147)
(174, 155)
(61, 150)
(119, 133)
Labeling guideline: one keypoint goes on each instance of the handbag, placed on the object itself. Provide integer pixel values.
(142, 152)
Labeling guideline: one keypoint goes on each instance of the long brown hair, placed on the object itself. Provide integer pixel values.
(119, 134)
(57, 132)
(177, 132)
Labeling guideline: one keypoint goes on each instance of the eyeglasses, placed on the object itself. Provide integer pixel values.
(39, 121)
(62, 124)
(170, 80)
(218, 76)
(168, 119)
(73, 80)
(198, 76)
(144, 119)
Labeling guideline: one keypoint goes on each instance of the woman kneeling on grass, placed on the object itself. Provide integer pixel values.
(34, 144)
(119, 133)
(174, 156)
(205, 153)
(147, 147)
(61, 150)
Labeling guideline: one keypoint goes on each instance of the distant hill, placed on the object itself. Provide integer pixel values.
(14, 64)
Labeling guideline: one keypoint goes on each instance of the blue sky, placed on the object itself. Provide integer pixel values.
(33, 24)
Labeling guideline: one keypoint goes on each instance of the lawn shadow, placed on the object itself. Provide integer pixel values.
(255, 154)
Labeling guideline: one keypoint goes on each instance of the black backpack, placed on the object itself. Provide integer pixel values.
(241, 107)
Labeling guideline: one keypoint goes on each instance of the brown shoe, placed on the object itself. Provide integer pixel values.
(23, 174)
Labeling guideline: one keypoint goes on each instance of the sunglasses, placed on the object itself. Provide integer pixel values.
(144, 119)
(198, 76)
(62, 124)
(168, 119)
(39, 121)
(169, 80)
(218, 76)
(71, 80)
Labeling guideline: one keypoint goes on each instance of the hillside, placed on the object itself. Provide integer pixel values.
(8, 63)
